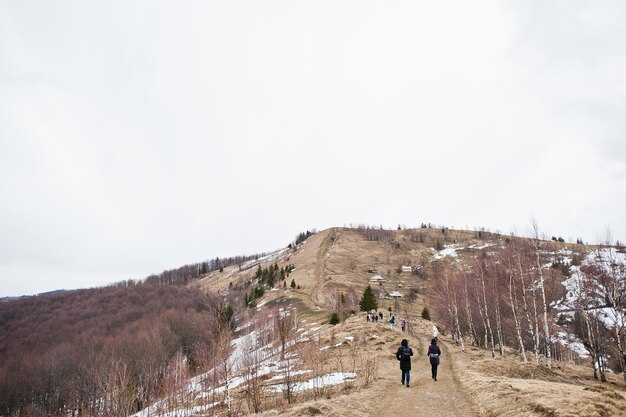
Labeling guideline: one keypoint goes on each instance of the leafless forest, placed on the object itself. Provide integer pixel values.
(511, 296)
(104, 351)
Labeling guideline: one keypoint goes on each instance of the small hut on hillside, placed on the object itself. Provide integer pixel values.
(377, 279)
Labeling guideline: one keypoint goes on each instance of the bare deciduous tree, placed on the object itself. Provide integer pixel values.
(539, 249)
(285, 327)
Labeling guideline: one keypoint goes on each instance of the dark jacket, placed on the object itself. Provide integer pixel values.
(405, 360)
(434, 353)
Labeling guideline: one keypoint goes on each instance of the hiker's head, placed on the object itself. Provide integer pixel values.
(404, 343)
(434, 341)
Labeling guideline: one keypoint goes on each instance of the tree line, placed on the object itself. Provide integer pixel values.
(186, 273)
(102, 352)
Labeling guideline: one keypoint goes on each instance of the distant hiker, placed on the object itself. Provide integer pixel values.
(375, 318)
(404, 354)
(392, 321)
(434, 353)
(403, 325)
(381, 315)
(368, 316)
(435, 332)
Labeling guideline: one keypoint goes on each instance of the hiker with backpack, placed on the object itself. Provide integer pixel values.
(403, 325)
(392, 321)
(404, 354)
(433, 354)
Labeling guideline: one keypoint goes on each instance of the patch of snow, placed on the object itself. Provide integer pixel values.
(571, 342)
(291, 374)
(611, 317)
(448, 250)
(244, 326)
(271, 256)
(577, 279)
(193, 411)
(486, 245)
(321, 381)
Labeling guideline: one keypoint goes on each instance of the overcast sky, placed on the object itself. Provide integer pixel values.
(141, 136)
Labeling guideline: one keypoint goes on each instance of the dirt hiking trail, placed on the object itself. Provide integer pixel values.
(387, 396)
(424, 397)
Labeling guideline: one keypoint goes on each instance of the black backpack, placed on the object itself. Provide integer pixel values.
(405, 354)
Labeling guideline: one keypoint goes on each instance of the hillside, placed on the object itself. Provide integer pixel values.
(337, 260)
(486, 378)
(70, 350)
(260, 340)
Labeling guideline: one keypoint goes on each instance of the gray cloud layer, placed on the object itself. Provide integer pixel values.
(138, 136)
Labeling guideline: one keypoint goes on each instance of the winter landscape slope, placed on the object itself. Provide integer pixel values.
(349, 369)
(528, 327)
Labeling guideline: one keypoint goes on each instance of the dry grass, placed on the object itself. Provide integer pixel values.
(507, 387)
(336, 260)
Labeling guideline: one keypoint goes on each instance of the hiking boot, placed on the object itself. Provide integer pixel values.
(407, 385)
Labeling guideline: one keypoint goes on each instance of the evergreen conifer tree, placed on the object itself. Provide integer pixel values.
(368, 301)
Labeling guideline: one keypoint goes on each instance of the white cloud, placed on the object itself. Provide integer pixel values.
(136, 136)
